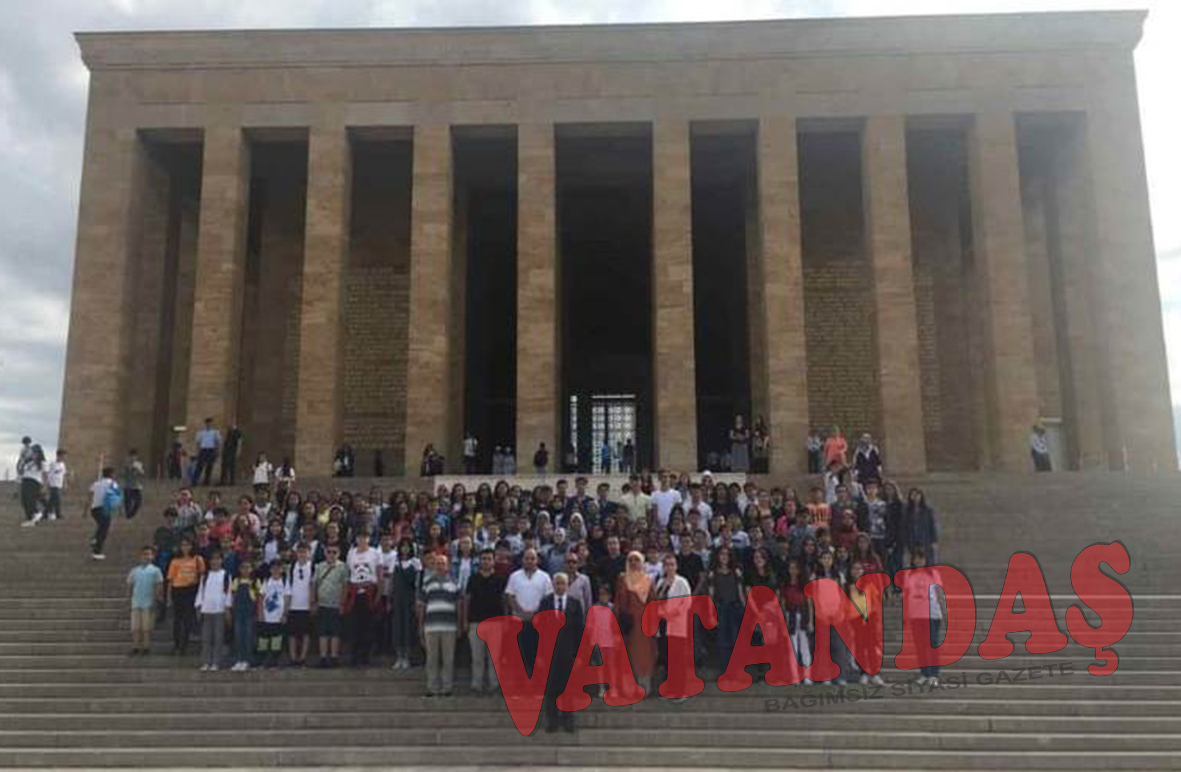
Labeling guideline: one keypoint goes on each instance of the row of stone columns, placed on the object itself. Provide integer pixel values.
(1127, 345)
(1010, 389)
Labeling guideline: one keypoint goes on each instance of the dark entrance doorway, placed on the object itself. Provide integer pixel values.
(605, 237)
(486, 243)
(725, 236)
(610, 434)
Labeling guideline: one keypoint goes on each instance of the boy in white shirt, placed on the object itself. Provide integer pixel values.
(299, 605)
(664, 500)
(272, 615)
(55, 479)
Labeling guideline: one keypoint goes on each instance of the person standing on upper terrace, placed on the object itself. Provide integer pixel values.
(867, 460)
(229, 456)
(814, 445)
(541, 459)
(471, 454)
(133, 484)
(836, 448)
(1039, 449)
(739, 446)
(208, 443)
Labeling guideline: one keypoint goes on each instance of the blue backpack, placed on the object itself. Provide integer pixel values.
(112, 500)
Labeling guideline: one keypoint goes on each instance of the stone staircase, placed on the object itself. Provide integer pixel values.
(70, 695)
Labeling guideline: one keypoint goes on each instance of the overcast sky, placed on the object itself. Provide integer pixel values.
(42, 109)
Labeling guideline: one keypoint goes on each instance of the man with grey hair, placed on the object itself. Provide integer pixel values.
(438, 619)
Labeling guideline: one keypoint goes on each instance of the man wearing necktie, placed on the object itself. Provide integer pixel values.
(565, 650)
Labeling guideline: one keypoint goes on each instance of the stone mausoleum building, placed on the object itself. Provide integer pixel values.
(934, 229)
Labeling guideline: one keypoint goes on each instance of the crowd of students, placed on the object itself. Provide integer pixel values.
(307, 578)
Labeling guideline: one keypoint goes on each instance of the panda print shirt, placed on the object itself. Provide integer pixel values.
(272, 601)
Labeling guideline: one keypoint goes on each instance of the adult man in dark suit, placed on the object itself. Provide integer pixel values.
(565, 650)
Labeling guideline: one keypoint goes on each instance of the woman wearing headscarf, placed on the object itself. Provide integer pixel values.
(633, 592)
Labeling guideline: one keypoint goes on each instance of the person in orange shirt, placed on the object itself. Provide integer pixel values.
(184, 577)
(836, 448)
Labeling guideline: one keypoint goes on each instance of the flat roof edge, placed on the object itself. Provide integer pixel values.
(168, 49)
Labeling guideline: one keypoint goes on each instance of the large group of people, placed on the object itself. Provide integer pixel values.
(317, 578)
(320, 578)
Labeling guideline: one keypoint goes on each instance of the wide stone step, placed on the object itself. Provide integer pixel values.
(126, 668)
(227, 684)
(1130, 647)
(118, 619)
(982, 702)
(66, 656)
(569, 750)
(668, 737)
(115, 607)
(96, 599)
(476, 714)
(115, 628)
(165, 671)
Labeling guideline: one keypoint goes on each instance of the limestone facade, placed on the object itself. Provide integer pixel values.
(947, 231)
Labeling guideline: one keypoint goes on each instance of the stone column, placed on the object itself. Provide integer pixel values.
(538, 370)
(1134, 361)
(221, 258)
(780, 319)
(1010, 381)
(97, 351)
(182, 335)
(150, 274)
(675, 399)
(753, 294)
(319, 397)
(1073, 188)
(428, 394)
(887, 235)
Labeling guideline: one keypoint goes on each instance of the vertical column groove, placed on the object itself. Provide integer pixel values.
(785, 369)
(887, 215)
(538, 370)
(429, 408)
(1010, 384)
(217, 300)
(319, 399)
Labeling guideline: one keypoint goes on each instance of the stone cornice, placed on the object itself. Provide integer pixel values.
(787, 38)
